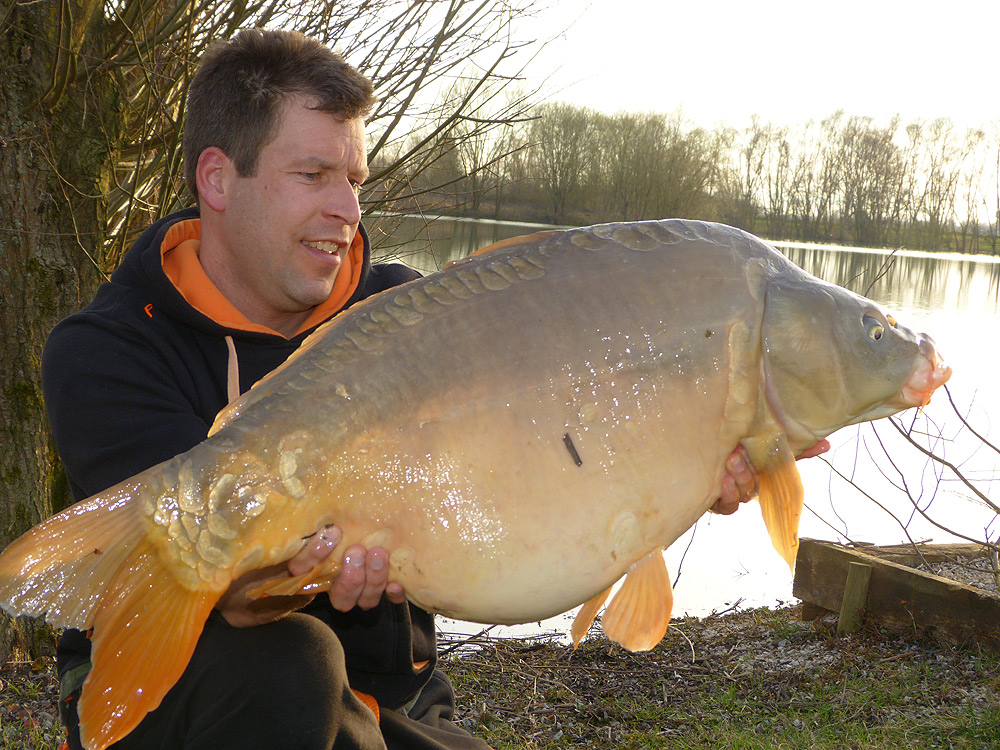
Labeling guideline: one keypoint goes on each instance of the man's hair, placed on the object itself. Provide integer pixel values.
(238, 95)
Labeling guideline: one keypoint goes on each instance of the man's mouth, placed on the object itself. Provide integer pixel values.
(330, 248)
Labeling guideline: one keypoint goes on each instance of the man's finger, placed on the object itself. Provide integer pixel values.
(394, 593)
(316, 550)
(742, 472)
(348, 586)
(377, 574)
(729, 497)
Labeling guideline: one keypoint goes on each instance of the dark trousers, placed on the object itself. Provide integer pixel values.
(283, 686)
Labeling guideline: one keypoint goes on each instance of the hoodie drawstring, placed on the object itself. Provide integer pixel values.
(232, 372)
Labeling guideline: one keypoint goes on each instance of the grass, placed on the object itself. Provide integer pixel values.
(28, 695)
(760, 679)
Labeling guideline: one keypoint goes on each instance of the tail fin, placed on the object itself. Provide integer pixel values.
(144, 634)
(93, 566)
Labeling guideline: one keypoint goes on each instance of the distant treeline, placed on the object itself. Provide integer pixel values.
(847, 179)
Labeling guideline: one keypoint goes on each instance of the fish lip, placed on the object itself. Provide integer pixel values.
(930, 373)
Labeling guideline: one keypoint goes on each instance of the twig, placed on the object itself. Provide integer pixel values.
(466, 641)
(948, 464)
(684, 636)
(968, 426)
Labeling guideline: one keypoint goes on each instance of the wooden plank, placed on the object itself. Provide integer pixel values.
(898, 596)
(909, 554)
(855, 598)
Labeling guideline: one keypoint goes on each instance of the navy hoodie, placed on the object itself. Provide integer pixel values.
(138, 376)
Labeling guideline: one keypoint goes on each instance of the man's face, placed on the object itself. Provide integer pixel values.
(286, 228)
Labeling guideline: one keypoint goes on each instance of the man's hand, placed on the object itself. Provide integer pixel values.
(740, 483)
(361, 582)
(363, 579)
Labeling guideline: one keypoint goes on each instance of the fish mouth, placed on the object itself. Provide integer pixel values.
(931, 373)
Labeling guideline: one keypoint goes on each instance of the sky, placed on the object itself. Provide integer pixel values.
(787, 61)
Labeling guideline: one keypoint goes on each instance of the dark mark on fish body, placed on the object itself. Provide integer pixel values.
(568, 441)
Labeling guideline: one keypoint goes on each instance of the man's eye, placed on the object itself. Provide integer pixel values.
(310, 175)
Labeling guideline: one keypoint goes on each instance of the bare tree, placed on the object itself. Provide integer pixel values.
(682, 176)
(484, 136)
(739, 181)
(649, 166)
(970, 189)
(940, 170)
(871, 167)
(829, 184)
(910, 223)
(813, 180)
(559, 152)
(778, 181)
(629, 148)
(992, 203)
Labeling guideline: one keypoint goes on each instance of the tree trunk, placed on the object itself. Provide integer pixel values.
(55, 159)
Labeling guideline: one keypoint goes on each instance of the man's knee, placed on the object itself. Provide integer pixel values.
(280, 685)
(295, 660)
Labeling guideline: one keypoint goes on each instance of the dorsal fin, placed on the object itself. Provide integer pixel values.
(526, 239)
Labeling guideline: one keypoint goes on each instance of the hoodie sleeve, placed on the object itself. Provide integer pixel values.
(116, 403)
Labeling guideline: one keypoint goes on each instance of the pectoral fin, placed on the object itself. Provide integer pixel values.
(781, 497)
(586, 615)
(318, 578)
(638, 616)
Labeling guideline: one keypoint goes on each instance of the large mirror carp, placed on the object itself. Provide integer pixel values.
(519, 431)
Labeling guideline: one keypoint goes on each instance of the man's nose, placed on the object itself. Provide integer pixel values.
(342, 203)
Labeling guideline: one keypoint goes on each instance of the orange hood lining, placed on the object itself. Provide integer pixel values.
(181, 264)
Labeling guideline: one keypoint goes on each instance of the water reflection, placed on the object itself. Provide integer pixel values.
(428, 245)
(907, 282)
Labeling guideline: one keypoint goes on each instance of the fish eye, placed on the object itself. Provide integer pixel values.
(874, 328)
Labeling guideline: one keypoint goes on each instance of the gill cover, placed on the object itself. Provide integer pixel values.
(831, 357)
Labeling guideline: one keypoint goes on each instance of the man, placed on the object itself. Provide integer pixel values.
(207, 302)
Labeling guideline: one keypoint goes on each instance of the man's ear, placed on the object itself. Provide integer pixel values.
(214, 169)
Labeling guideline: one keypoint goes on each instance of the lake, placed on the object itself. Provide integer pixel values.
(873, 486)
